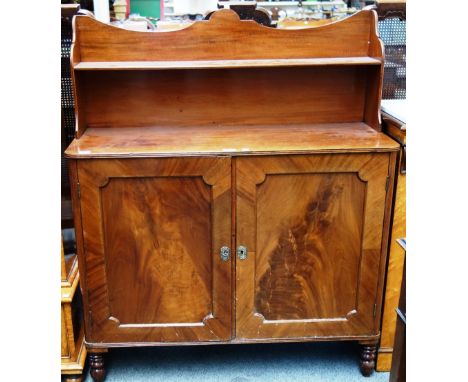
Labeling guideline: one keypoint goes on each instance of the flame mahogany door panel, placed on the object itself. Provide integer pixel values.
(152, 231)
(312, 225)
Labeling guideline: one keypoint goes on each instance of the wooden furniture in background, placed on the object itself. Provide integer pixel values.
(391, 8)
(73, 350)
(243, 192)
(67, 108)
(67, 105)
(398, 371)
(393, 115)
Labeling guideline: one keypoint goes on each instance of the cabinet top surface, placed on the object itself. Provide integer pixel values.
(163, 141)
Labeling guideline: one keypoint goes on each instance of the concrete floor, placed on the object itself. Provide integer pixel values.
(305, 362)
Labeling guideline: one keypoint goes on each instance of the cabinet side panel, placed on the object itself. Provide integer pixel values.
(157, 233)
(309, 229)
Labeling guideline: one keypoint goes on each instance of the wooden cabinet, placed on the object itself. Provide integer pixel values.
(227, 190)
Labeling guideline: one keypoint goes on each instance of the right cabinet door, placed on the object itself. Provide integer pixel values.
(312, 228)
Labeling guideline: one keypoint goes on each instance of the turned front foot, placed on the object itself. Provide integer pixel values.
(367, 361)
(97, 367)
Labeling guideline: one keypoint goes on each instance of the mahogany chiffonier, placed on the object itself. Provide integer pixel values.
(230, 184)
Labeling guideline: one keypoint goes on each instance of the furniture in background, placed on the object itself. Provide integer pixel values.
(67, 108)
(398, 371)
(246, 11)
(243, 194)
(73, 350)
(392, 30)
(67, 105)
(394, 124)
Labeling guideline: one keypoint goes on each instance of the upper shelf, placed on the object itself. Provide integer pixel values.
(209, 64)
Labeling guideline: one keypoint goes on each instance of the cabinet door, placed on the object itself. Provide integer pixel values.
(312, 226)
(152, 233)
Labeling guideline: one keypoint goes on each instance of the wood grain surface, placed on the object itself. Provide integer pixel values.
(309, 230)
(251, 73)
(229, 140)
(323, 94)
(167, 248)
(225, 36)
(225, 64)
(396, 259)
(250, 136)
(325, 217)
(73, 352)
(152, 230)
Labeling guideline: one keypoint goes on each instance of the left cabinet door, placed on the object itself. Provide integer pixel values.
(152, 230)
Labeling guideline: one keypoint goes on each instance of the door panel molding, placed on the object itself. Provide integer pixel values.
(96, 176)
(371, 169)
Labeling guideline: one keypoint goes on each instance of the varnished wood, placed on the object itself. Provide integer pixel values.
(65, 351)
(227, 133)
(229, 140)
(70, 284)
(236, 341)
(396, 256)
(225, 64)
(73, 352)
(290, 23)
(367, 361)
(223, 37)
(156, 275)
(398, 370)
(302, 198)
(97, 367)
(69, 273)
(301, 214)
(74, 364)
(391, 8)
(247, 96)
(62, 258)
(116, 72)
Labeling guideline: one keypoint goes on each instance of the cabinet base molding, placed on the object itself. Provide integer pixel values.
(98, 371)
(103, 347)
